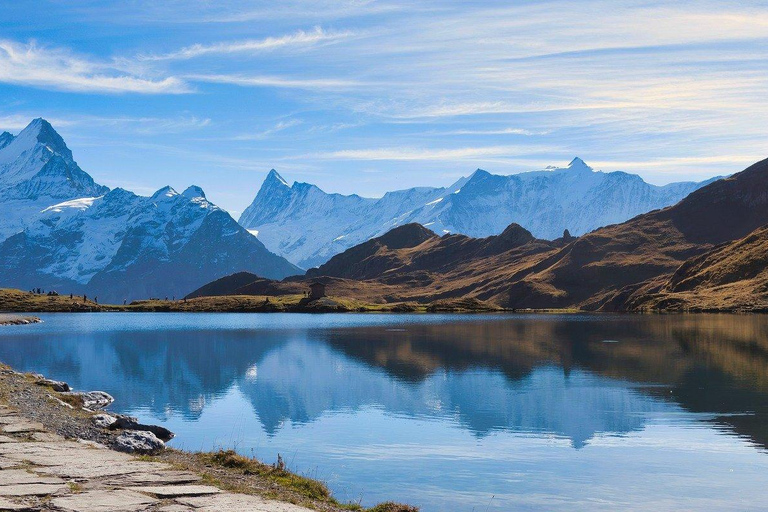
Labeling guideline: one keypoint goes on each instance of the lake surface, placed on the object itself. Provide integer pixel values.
(448, 412)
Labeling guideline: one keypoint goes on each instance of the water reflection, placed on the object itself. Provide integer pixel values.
(577, 378)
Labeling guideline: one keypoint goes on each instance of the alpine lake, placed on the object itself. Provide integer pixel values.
(447, 412)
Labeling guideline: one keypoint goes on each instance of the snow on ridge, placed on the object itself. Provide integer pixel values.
(76, 204)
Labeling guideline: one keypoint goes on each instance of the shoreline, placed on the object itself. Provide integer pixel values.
(34, 409)
(18, 319)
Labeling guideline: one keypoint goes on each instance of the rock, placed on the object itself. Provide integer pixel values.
(60, 402)
(176, 491)
(92, 399)
(103, 420)
(130, 423)
(104, 500)
(56, 385)
(138, 441)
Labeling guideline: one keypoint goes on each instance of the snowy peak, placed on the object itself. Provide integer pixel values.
(38, 134)
(577, 164)
(167, 192)
(274, 179)
(5, 139)
(194, 192)
(37, 165)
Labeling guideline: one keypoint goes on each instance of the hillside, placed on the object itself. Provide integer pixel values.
(732, 277)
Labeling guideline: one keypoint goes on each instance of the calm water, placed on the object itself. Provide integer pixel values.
(446, 412)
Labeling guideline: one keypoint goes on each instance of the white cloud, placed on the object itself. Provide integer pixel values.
(408, 154)
(55, 68)
(278, 127)
(279, 82)
(299, 39)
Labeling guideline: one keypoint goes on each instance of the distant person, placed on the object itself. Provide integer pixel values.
(124, 301)
(71, 296)
(174, 298)
(85, 298)
(166, 298)
(96, 300)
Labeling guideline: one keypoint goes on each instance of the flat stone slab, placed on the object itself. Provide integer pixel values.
(9, 418)
(9, 463)
(119, 500)
(22, 476)
(8, 439)
(176, 491)
(154, 478)
(46, 437)
(176, 508)
(101, 471)
(24, 426)
(31, 489)
(237, 503)
(12, 506)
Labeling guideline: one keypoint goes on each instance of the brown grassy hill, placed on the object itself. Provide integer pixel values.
(591, 270)
(731, 276)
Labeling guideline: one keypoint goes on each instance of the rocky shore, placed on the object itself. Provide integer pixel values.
(13, 319)
(61, 451)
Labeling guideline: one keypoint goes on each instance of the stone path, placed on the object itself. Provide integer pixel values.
(40, 471)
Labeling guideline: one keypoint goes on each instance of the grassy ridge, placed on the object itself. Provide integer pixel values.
(19, 301)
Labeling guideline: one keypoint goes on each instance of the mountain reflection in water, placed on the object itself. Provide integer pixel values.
(574, 377)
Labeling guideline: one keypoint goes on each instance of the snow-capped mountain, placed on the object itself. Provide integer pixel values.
(62, 231)
(36, 171)
(308, 226)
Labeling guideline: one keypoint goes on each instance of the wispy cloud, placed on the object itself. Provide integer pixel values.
(300, 39)
(415, 154)
(55, 68)
(277, 81)
(263, 134)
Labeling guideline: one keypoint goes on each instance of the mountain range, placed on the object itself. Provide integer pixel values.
(308, 226)
(705, 253)
(61, 230)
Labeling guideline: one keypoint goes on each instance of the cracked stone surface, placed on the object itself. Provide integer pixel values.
(176, 491)
(41, 471)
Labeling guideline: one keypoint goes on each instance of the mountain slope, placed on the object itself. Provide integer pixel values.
(111, 244)
(546, 202)
(605, 269)
(598, 265)
(731, 276)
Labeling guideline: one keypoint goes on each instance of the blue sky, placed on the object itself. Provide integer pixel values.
(367, 96)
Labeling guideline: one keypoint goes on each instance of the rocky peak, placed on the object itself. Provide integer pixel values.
(407, 235)
(194, 192)
(5, 139)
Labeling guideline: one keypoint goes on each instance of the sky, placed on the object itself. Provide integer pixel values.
(364, 96)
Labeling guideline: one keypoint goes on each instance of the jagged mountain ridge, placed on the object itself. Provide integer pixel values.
(545, 202)
(63, 231)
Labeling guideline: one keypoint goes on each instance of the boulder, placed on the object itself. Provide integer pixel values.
(92, 399)
(130, 423)
(56, 385)
(137, 441)
(103, 420)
